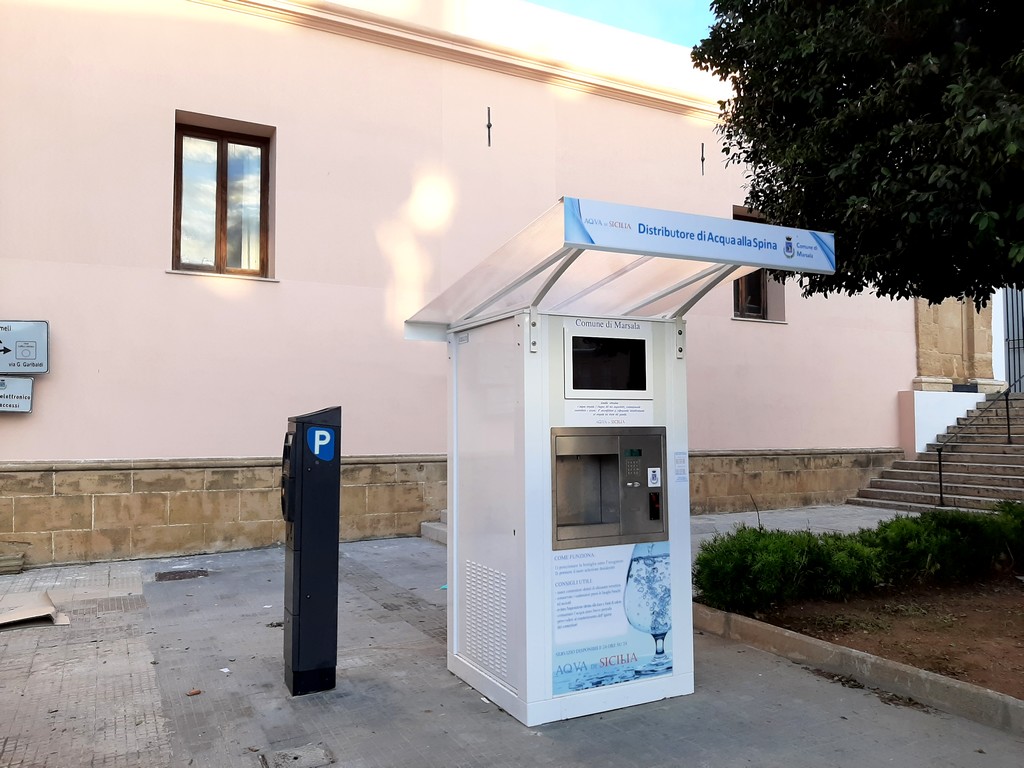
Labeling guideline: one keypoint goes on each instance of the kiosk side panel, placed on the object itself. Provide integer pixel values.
(489, 529)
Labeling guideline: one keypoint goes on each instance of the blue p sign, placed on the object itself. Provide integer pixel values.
(321, 442)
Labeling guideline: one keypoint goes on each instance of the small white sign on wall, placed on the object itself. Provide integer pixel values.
(24, 346)
(15, 394)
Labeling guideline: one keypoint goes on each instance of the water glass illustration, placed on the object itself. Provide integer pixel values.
(647, 600)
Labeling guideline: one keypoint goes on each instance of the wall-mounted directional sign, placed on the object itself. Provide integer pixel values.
(15, 394)
(24, 346)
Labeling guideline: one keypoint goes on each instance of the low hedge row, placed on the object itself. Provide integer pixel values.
(752, 570)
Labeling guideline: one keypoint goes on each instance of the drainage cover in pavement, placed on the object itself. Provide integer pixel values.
(193, 573)
(309, 756)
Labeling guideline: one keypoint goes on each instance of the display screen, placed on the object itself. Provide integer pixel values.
(609, 363)
(633, 453)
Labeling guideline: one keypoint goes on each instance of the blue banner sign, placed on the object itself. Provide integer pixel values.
(603, 226)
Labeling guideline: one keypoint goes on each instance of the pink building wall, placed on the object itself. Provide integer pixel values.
(827, 378)
(384, 192)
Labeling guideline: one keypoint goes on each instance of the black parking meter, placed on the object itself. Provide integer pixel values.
(310, 504)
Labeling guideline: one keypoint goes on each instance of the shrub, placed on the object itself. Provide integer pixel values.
(965, 545)
(753, 569)
(946, 546)
(905, 547)
(1011, 522)
(848, 566)
(723, 572)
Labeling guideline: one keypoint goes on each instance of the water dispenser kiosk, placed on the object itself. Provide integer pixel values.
(569, 588)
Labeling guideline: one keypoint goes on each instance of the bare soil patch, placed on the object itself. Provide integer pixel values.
(970, 633)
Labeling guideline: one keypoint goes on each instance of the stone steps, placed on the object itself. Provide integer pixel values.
(436, 531)
(929, 500)
(986, 438)
(980, 465)
(963, 463)
(956, 446)
(1000, 396)
(950, 477)
(997, 421)
(950, 487)
(902, 506)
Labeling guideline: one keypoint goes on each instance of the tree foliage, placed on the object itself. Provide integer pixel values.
(897, 124)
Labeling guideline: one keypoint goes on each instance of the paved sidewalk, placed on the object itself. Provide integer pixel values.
(838, 518)
(111, 688)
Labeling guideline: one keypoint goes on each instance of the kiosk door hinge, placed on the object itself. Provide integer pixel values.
(534, 330)
(680, 338)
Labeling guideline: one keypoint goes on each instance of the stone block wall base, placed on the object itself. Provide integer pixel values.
(115, 510)
(933, 384)
(988, 386)
(742, 481)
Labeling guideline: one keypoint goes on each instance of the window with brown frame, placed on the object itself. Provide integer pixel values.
(755, 296)
(221, 201)
(749, 294)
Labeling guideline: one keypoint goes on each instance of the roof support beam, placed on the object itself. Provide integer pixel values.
(724, 271)
(673, 288)
(604, 281)
(570, 257)
(524, 278)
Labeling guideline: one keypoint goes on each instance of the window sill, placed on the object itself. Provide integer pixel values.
(759, 320)
(221, 275)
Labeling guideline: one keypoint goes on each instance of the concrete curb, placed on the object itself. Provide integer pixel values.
(953, 696)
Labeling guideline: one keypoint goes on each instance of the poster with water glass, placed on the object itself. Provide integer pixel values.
(612, 615)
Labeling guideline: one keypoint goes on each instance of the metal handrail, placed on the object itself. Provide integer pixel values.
(941, 443)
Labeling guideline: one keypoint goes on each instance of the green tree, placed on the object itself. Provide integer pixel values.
(897, 124)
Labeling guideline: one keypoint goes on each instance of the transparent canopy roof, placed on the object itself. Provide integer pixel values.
(594, 259)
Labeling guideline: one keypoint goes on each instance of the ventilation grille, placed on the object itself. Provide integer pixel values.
(486, 619)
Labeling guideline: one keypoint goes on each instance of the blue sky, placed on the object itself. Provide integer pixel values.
(683, 22)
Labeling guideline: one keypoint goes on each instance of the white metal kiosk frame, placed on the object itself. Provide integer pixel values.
(569, 587)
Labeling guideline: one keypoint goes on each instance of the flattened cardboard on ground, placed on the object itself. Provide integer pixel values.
(29, 609)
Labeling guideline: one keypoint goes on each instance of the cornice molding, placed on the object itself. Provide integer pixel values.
(405, 36)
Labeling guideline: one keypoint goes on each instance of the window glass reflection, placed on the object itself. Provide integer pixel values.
(243, 207)
(198, 201)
